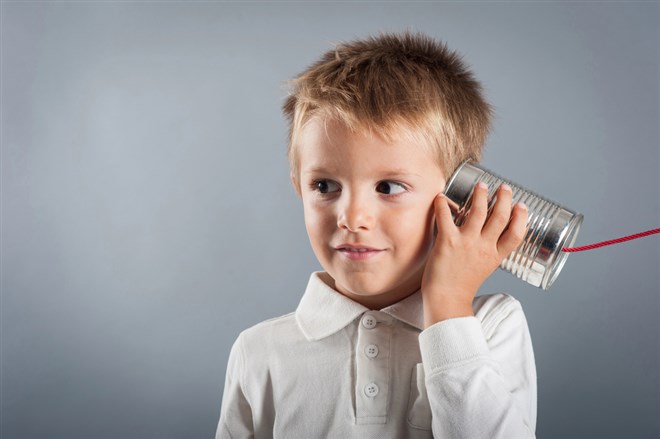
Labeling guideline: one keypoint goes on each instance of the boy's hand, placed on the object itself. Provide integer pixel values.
(463, 257)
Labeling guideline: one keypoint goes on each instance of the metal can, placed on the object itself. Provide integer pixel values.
(550, 226)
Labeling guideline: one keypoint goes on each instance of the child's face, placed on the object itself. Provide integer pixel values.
(368, 210)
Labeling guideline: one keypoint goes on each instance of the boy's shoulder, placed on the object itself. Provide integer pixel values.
(494, 302)
(273, 331)
(493, 310)
(279, 323)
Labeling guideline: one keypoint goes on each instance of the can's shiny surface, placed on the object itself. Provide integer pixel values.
(550, 226)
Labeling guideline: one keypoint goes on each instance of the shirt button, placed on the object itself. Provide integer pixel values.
(371, 351)
(371, 390)
(369, 322)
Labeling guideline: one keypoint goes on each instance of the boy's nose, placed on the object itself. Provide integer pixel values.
(355, 215)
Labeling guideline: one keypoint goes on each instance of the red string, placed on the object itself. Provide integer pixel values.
(610, 242)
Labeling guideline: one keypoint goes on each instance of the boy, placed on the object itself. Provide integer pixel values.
(389, 341)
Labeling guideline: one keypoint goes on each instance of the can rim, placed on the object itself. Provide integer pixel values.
(570, 235)
(455, 174)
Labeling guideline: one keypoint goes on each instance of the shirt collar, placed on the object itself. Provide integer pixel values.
(323, 311)
(409, 310)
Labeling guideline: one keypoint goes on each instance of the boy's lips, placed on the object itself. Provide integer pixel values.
(358, 252)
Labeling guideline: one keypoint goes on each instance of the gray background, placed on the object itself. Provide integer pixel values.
(147, 215)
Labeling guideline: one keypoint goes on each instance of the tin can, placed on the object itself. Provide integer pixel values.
(550, 226)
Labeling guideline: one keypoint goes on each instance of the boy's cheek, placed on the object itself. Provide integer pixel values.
(417, 225)
(427, 211)
(317, 224)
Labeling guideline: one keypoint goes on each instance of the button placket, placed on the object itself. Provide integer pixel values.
(372, 368)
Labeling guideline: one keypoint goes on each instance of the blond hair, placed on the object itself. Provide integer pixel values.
(392, 84)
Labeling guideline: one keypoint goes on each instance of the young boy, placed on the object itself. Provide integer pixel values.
(389, 341)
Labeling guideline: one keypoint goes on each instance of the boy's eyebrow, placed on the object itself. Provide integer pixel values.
(316, 170)
(391, 173)
(401, 173)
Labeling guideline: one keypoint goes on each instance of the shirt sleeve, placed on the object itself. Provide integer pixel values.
(236, 413)
(480, 373)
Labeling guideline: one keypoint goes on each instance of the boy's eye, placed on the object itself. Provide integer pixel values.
(325, 186)
(390, 188)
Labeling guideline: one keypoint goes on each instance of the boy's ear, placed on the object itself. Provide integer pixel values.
(295, 183)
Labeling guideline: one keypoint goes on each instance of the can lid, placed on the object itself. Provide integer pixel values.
(460, 184)
(567, 239)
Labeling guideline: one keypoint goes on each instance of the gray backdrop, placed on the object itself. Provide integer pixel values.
(147, 215)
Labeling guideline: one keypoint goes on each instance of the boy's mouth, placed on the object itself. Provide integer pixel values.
(357, 251)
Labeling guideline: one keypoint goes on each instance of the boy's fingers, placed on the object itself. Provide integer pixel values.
(479, 208)
(515, 232)
(500, 214)
(443, 216)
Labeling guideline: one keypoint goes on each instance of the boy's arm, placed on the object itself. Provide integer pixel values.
(236, 413)
(480, 374)
(479, 385)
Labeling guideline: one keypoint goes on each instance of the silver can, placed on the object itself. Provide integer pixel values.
(550, 226)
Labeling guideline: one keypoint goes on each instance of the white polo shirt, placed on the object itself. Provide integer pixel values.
(335, 369)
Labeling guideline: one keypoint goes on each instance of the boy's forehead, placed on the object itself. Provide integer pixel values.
(333, 129)
(331, 134)
(329, 145)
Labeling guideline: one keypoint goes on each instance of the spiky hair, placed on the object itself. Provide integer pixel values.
(394, 82)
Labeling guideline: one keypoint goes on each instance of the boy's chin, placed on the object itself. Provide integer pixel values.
(368, 289)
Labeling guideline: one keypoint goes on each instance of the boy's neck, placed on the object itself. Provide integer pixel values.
(380, 301)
